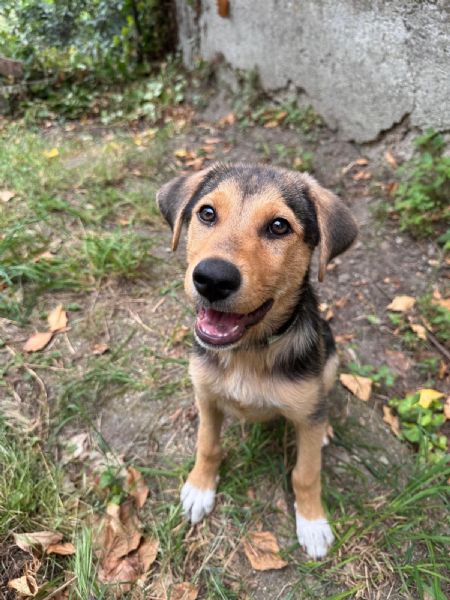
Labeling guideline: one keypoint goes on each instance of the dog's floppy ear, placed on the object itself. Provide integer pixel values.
(173, 198)
(337, 226)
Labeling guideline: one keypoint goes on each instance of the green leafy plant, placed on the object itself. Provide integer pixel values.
(420, 424)
(106, 39)
(438, 317)
(380, 375)
(422, 196)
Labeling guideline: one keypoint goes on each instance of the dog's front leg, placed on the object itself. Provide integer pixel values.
(198, 493)
(313, 531)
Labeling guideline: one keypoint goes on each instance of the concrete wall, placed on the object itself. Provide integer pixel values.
(364, 64)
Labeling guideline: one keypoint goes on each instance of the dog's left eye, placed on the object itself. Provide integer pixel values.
(279, 227)
(207, 214)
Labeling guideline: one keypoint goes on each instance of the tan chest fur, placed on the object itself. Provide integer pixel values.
(245, 387)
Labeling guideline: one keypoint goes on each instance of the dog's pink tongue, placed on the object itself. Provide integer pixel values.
(220, 327)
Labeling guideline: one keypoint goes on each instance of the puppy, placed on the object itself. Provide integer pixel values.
(261, 349)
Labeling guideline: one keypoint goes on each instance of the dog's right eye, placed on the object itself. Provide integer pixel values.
(207, 214)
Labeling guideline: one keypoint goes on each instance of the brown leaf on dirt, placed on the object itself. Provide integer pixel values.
(341, 302)
(57, 318)
(271, 124)
(6, 195)
(37, 341)
(76, 447)
(391, 420)
(391, 187)
(397, 361)
(180, 334)
(37, 540)
(119, 534)
(362, 176)
(130, 568)
(344, 337)
(135, 486)
(419, 330)
(229, 119)
(362, 162)
(212, 140)
(147, 553)
(262, 550)
(447, 408)
(184, 591)
(390, 159)
(443, 302)
(65, 549)
(99, 349)
(361, 387)
(25, 586)
(401, 303)
(47, 255)
(442, 369)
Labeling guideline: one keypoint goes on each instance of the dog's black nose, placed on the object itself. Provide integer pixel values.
(216, 279)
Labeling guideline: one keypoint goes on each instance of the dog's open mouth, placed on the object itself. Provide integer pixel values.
(223, 328)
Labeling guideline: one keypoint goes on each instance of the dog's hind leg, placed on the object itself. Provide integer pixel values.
(198, 493)
(313, 531)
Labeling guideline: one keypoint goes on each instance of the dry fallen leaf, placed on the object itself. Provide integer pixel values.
(402, 303)
(184, 591)
(419, 330)
(119, 535)
(24, 586)
(76, 447)
(130, 568)
(362, 176)
(390, 159)
(397, 361)
(228, 119)
(361, 387)
(262, 550)
(147, 553)
(344, 337)
(180, 334)
(65, 549)
(443, 302)
(6, 195)
(38, 539)
(362, 162)
(427, 395)
(391, 420)
(100, 349)
(53, 153)
(135, 486)
(57, 318)
(447, 408)
(182, 153)
(37, 341)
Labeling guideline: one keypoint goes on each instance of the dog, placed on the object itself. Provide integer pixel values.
(260, 346)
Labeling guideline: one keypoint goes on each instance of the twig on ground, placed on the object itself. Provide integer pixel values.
(60, 588)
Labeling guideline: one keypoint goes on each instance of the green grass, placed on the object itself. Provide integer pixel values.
(30, 486)
(71, 223)
(421, 198)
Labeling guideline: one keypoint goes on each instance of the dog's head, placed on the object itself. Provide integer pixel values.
(252, 230)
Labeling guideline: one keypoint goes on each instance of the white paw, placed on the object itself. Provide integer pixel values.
(314, 535)
(325, 441)
(196, 503)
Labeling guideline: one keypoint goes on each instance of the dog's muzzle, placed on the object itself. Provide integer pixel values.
(216, 279)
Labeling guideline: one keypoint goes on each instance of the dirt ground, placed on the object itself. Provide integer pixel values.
(365, 467)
